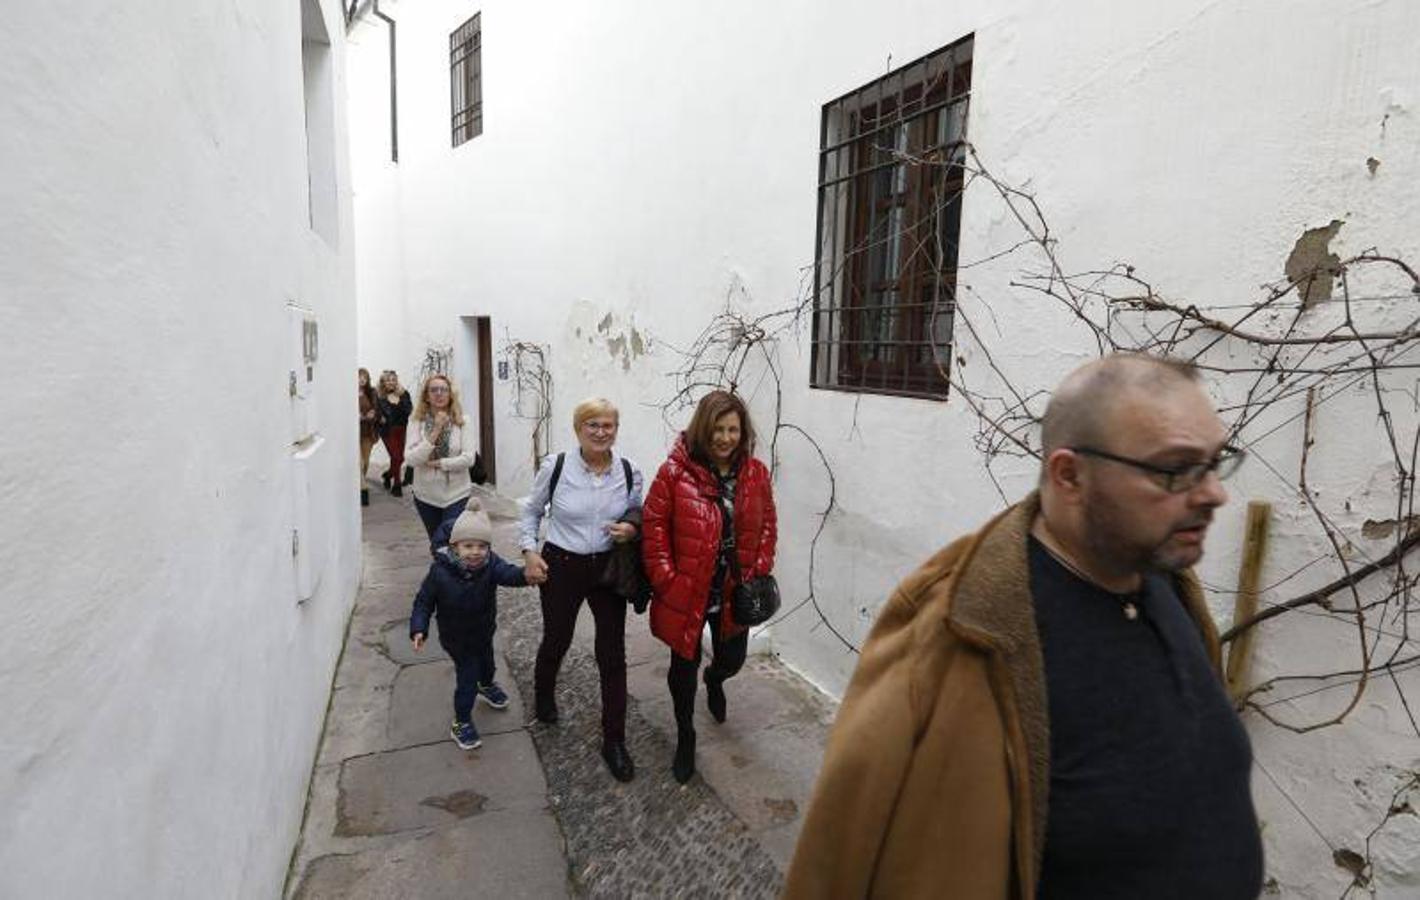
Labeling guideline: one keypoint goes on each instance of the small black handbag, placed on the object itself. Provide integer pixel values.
(755, 601)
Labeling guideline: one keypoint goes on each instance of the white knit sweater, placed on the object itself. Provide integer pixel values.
(449, 482)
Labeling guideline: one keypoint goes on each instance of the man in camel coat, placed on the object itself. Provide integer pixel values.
(1038, 710)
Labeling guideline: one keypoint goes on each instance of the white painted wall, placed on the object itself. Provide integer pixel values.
(163, 690)
(640, 164)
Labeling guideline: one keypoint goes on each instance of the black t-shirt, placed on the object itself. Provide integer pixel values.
(1149, 764)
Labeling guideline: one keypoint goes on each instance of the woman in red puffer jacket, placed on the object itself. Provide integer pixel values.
(710, 479)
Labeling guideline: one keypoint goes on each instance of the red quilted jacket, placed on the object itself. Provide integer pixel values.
(681, 534)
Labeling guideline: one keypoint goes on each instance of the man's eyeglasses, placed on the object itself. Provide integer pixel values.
(438, 389)
(1177, 479)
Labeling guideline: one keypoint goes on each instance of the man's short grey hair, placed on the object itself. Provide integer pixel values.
(1080, 412)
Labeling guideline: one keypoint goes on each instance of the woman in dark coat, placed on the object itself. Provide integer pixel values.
(709, 523)
(395, 407)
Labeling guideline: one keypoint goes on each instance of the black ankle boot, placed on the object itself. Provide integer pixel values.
(683, 766)
(385, 480)
(618, 761)
(364, 496)
(397, 490)
(715, 696)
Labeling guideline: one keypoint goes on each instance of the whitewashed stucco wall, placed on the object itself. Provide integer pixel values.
(163, 691)
(643, 163)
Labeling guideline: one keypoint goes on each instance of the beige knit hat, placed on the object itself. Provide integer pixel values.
(472, 524)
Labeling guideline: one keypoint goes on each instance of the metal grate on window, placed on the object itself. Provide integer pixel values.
(890, 179)
(466, 80)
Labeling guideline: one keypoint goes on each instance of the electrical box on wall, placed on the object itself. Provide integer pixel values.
(304, 354)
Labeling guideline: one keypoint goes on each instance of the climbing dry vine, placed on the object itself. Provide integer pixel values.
(532, 390)
(1332, 338)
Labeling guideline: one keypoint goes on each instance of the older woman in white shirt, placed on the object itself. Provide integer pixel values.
(440, 450)
(594, 487)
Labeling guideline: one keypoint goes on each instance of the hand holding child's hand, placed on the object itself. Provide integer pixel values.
(418, 640)
(534, 567)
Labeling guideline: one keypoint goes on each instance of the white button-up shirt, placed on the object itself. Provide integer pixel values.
(584, 505)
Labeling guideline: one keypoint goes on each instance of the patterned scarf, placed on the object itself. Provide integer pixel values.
(441, 446)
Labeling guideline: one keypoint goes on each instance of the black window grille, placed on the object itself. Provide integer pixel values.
(466, 80)
(889, 218)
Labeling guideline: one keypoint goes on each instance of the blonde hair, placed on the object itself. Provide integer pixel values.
(591, 408)
(392, 376)
(421, 406)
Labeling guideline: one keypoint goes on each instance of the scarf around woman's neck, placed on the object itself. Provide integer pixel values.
(441, 446)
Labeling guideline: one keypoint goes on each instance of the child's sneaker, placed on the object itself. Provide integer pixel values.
(494, 695)
(465, 735)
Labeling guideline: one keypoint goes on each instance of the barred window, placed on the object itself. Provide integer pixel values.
(889, 217)
(466, 80)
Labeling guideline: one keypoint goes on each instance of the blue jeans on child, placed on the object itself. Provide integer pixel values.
(439, 521)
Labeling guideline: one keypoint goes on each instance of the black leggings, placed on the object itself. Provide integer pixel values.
(727, 658)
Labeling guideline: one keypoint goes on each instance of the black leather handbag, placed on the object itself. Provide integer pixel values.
(755, 601)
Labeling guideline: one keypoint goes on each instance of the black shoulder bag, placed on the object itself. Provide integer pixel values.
(755, 601)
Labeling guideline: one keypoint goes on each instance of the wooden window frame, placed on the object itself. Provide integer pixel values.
(466, 81)
(889, 218)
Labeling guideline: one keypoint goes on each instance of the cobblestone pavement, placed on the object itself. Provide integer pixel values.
(397, 810)
(651, 837)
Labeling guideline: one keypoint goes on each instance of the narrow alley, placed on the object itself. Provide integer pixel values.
(397, 810)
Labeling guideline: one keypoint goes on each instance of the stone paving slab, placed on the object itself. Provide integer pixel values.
(422, 705)
(423, 786)
(479, 857)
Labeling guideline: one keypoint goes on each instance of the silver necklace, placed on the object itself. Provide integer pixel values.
(1126, 605)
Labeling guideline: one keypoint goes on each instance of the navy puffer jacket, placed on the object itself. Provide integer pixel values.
(465, 602)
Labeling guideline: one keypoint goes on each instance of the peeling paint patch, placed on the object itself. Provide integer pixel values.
(1312, 266)
(1379, 530)
(604, 324)
(617, 347)
(1372, 164)
(638, 346)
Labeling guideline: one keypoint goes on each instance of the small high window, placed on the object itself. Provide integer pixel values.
(466, 80)
(889, 218)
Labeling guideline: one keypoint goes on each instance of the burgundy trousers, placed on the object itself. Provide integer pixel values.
(572, 578)
(394, 443)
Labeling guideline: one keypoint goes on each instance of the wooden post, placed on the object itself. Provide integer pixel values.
(1259, 516)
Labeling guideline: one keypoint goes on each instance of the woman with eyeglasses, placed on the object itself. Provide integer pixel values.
(440, 449)
(591, 498)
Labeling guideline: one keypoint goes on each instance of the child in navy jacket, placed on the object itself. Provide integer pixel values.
(461, 589)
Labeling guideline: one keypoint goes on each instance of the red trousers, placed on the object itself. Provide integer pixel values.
(394, 444)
